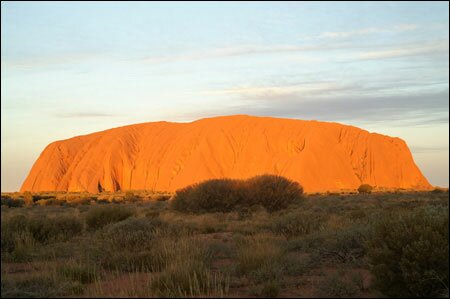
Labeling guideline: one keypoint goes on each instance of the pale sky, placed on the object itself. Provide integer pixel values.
(73, 68)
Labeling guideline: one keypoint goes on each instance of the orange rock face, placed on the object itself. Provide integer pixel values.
(165, 156)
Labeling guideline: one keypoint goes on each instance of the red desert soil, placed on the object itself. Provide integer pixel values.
(165, 156)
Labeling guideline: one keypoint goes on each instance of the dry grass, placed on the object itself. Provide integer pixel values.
(258, 251)
(145, 249)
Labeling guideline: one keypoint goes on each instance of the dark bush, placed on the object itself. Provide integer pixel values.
(40, 197)
(40, 229)
(11, 202)
(46, 229)
(272, 192)
(78, 201)
(409, 254)
(99, 216)
(218, 195)
(40, 285)
(438, 191)
(365, 188)
(344, 245)
(51, 202)
(224, 195)
(161, 197)
(132, 234)
(10, 228)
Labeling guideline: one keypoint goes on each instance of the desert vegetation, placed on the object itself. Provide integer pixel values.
(225, 238)
(224, 195)
(365, 188)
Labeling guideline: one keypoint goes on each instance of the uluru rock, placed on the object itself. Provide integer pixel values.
(165, 156)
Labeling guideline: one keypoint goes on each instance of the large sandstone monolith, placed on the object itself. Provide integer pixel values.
(164, 156)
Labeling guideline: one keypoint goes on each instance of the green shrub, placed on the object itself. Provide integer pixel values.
(344, 245)
(23, 247)
(272, 192)
(46, 229)
(218, 195)
(131, 234)
(409, 254)
(99, 216)
(19, 230)
(10, 228)
(365, 188)
(224, 195)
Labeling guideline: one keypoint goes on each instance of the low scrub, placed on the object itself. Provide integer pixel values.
(51, 202)
(46, 229)
(38, 197)
(298, 224)
(259, 256)
(218, 195)
(367, 245)
(19, 230)
(409, 254)
(190, 278)
(142, 245)
(131, 197)
(78, 272)
(365, 188)
(98, 217)
(345, 245)
(224, 195)
(337, 286)
(12, 202)
(41, 286)
(131, 234)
